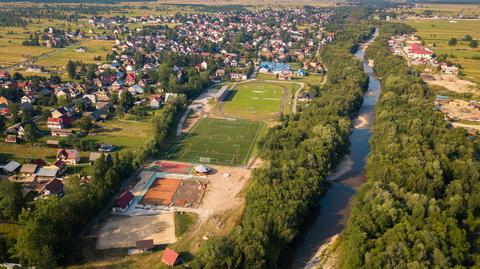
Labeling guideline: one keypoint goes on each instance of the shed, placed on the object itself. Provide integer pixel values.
(144, 245)
(123, 202)
(171, 257)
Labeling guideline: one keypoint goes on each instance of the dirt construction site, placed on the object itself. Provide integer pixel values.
(451, 82)
(461, 110)
(163, 188)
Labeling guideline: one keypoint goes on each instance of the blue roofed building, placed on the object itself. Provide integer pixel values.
(275, 68)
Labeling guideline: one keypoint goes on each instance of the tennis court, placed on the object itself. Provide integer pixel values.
(161, 191)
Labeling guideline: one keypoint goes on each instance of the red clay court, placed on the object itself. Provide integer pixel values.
(161, 191)
(168, 167)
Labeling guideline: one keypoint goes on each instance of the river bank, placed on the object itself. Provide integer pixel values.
(319, 237)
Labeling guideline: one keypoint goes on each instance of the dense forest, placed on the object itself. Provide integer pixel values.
(300, 153)
(419, 207)
(9, 19)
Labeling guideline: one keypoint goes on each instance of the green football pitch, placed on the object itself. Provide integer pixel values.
(218, 141)
(256, 101)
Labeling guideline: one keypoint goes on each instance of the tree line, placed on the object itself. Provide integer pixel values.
(300, 152)
(419, 207)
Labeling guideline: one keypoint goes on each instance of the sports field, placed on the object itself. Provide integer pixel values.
(218, 141)
(437, 33)
(257, 100)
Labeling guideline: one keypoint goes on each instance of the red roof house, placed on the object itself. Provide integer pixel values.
(131, 78)
(68, 155)
(171, 257)
(4, 74)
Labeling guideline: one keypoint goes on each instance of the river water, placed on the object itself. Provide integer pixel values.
(335, 204)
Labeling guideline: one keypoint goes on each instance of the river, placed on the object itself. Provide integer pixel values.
(335, 204)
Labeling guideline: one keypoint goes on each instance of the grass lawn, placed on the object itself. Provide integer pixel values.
(59, 59)
(183, 222)
(20, 152)
(439, 32)
(265, 76)
(256, 101)
(124, 134)
(218, 141)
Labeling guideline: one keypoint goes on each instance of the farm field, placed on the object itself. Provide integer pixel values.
(218, 141)
(439, 32)
(11, 38)
(11, 47)
(258, 100)
(448, 9)
(58, 59)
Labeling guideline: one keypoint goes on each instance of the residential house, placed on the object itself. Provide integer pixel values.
(55, 123)
(4, 74)
(62, 111)
(238, 76)
(4, 106)
(155, 101)
(136, 89)
(11, 139)
(54, 187)
(71, 156)
(170, 96)
(306, 96)
(220, 73)
(285, 75)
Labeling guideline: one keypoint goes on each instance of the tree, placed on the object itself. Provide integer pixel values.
(91, 73)
(126, 100)
(30, 134)
(2, 125)
(452, 42)
(473, 43)
(71, 69)
(114, 97)
(11, 201)
(467, 38)
(85, 124)
(80, 105)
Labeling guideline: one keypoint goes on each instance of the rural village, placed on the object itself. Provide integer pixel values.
(148, 68)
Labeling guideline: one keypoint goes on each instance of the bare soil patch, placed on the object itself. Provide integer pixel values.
(123, 232)
(451, 83)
